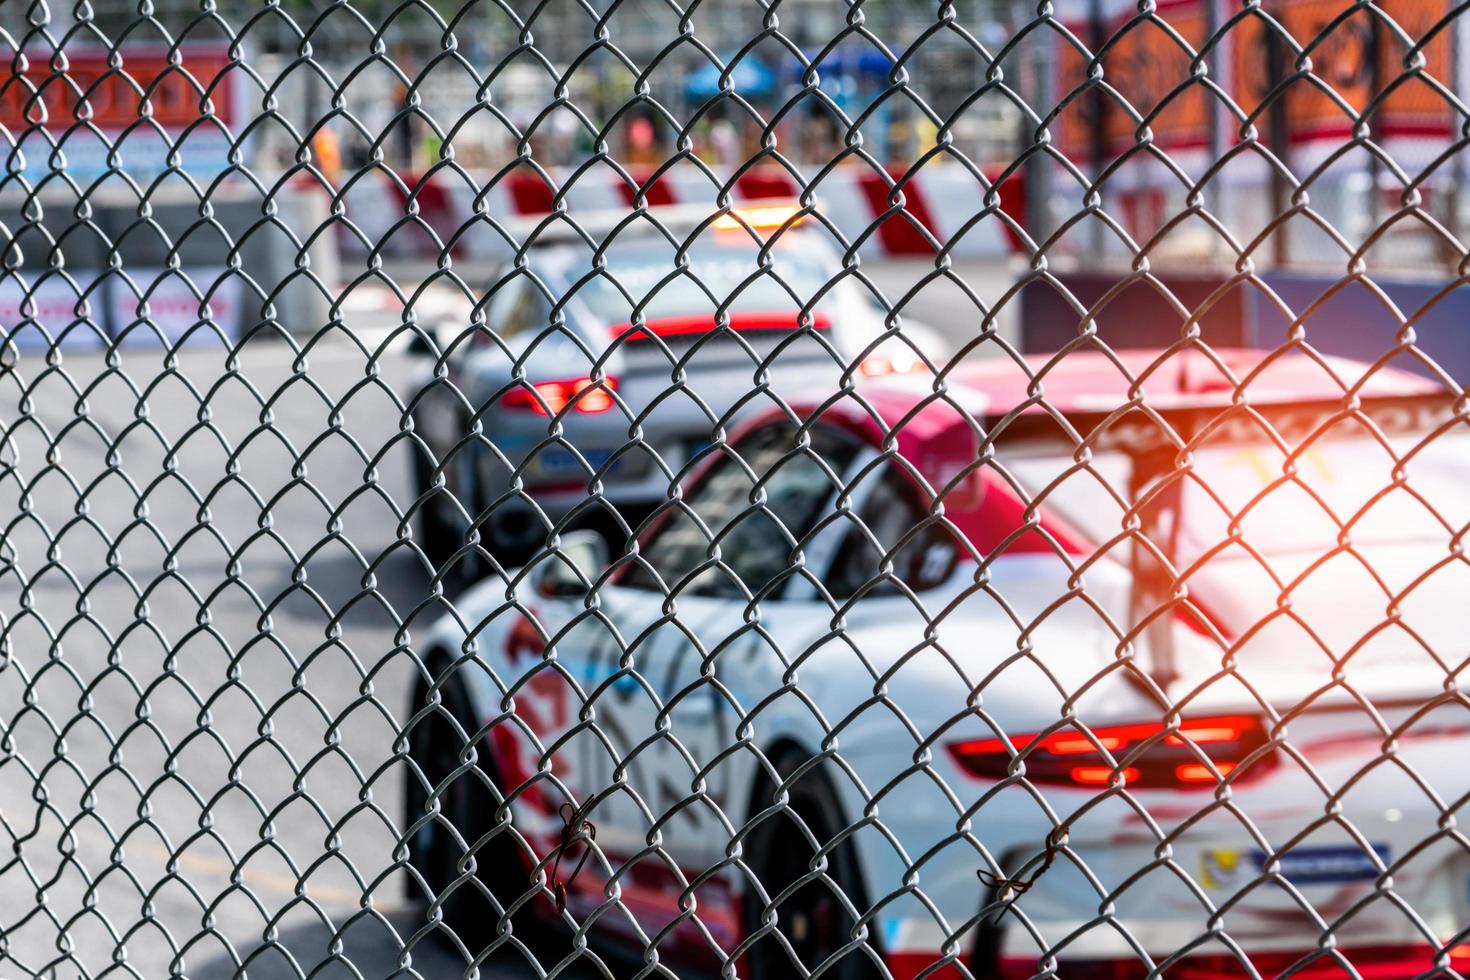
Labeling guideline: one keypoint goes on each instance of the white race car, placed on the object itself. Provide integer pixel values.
(1100, 666)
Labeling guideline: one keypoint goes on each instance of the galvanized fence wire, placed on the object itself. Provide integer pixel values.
(906, 657)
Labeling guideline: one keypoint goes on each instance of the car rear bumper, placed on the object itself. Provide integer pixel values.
(635, 463)
(558, 480)
(1392, 962)
(1369, 962)
(1280, 872)
(1328, 960)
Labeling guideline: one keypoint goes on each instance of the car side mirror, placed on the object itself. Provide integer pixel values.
(569, 571)
(424, 342)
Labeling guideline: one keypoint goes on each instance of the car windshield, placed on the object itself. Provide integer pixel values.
(1339, 479)
(715, 273)
(751, 508)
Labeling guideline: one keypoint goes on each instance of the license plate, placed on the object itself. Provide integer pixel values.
(558, 461)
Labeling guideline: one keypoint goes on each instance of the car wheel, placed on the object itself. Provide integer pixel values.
(467, 813)
(811, 924)
(513, 537)
(438, 524)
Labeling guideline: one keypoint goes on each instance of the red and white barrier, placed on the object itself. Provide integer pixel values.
(942, 205)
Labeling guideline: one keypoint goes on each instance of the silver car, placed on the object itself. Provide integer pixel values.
(594, 379)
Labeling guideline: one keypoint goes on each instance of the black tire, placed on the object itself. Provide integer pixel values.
(513, 537)
(811, 921)
(442, 530)
(439, 532)
(468, 804)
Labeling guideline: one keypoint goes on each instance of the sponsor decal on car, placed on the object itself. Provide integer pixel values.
(1224, 868)
(1220, 867)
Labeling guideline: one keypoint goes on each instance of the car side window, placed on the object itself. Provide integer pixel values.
(502, 302)
(518, 307)
(892, 510)
(755, 541)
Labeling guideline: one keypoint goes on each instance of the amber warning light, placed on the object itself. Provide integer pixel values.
(760, 217)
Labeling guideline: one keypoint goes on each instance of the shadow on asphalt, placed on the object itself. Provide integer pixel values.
(368, 947)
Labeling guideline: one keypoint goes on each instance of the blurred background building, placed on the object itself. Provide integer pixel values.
(1108, 133)
(547, 83)
(549, 76)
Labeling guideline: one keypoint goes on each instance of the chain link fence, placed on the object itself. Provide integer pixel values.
(625, 488)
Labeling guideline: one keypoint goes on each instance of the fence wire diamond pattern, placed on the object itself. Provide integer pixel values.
(794, 489)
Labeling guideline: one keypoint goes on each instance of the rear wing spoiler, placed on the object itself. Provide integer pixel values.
(1138, 432)
(1154, 448)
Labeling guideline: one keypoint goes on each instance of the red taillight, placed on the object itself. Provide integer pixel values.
(583, 394)
(1077, 757)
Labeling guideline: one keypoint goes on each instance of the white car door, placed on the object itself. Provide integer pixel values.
(543, 663)
(670, 705)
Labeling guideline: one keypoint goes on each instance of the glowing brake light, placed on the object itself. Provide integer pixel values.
(551, 397)
(762, 218)
(1072, 758)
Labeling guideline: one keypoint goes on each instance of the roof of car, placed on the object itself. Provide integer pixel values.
(659, 233)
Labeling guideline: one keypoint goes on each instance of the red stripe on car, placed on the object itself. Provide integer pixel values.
(676, 326)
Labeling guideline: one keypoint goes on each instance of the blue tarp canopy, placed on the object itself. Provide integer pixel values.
(750, 78)
(849, 59)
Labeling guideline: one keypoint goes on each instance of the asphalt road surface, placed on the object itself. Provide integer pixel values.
(208, 610)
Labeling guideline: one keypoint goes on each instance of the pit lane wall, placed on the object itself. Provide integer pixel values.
(168, 273)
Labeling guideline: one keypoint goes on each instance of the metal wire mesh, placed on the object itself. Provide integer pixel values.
(779, 489)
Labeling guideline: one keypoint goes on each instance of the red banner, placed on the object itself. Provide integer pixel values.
(143, 84)
(1150, 68)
